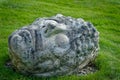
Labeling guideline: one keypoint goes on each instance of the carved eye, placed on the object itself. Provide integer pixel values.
(46, 30)
(43, 26)
(52, 27)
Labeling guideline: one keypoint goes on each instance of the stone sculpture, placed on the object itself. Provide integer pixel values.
(53, 46)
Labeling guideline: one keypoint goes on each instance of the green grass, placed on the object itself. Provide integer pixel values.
(104, 14)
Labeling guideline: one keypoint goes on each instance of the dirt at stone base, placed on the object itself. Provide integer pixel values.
(89, 69)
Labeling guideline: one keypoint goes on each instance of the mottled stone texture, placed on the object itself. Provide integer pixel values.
(53, 46)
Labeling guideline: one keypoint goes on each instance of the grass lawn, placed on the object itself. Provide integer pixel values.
(104, 14)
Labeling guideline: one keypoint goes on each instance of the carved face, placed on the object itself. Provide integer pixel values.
(55, 45)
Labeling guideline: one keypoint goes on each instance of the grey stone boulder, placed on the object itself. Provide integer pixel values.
(53, 46)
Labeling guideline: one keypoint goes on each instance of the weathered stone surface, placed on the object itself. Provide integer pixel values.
(53, 46)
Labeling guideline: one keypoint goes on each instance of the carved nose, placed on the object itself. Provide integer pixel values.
(61, 27)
